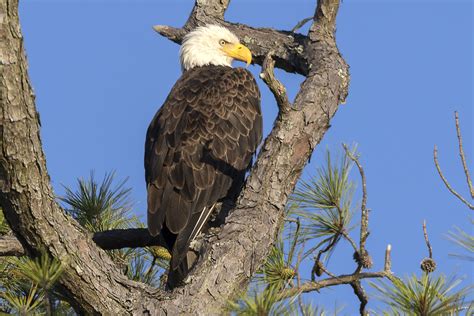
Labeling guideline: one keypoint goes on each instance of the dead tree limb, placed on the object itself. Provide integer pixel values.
(446, 182)
(462, 156)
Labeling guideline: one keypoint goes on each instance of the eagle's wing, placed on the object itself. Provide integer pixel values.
(198, 145)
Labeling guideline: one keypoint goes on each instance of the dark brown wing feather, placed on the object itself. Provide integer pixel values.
(199, 146)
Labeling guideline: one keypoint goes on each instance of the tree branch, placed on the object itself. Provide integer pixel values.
(445, 181)
(288, 47)
(276, 87)
(388, 260)
(341, 279)
(107, 240)
(333, 281)
(461, 154)
(361, 295)
(364, 221)
(427, 240)
(10, 246)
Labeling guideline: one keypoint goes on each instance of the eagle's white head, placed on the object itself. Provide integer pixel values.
(212, 45)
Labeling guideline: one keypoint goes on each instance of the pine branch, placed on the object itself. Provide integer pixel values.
(333, 281)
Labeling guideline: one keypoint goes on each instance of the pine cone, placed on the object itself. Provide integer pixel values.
(287, 273)
(428, 265)
(365, 260)
(161, 253)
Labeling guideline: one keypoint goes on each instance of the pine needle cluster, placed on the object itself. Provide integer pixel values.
(424, 296)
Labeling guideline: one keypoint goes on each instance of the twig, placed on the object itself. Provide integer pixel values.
(298, 277)
(349, 239)
(463, 158)
(333, 281)
(301, 24)
(331, 244)
(446, 183)
(361, 295)
(295, 239)
(388, 260)
(323, 268)
(150, 269)
(364, 221)
(425, 233)
(276, 87)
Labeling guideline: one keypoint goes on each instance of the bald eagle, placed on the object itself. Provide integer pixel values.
(201, 141)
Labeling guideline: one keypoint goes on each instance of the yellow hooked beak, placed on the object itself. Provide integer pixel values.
(238, 51)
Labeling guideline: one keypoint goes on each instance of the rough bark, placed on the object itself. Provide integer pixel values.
(26, 197)
(10, 246)
(229, 259)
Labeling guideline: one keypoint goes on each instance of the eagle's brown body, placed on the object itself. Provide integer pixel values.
(198, 148)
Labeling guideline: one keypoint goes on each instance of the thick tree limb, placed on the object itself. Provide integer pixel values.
(10, 246)
(90, 279)
(288, 47)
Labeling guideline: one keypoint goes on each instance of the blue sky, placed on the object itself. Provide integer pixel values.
(100, 73)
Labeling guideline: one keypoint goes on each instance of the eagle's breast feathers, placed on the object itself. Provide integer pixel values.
(198, 148)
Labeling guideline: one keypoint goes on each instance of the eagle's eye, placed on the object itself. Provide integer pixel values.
(222, 42)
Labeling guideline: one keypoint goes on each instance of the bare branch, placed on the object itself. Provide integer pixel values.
(301, 23)
(171, 33)
(317, 261)
(349, 239)
(295, 239)
(276, 87)
(364, 221)
(361, 295)
(428, 245)
(461, 154)
(445, 181)
(298, 276)
(388, 260)
(287, 47)
(333, 281)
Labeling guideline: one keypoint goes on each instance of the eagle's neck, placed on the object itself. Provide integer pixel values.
(194, 56)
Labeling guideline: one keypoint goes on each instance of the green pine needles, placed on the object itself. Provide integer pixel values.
(100, 206)
(425, 296)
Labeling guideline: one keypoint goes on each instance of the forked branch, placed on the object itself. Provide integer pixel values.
(445, 181)
(464, 165)
(276, 87)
